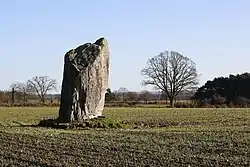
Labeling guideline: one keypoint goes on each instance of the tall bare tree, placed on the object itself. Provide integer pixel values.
(22, 88)
(42, 85)
(170, 72)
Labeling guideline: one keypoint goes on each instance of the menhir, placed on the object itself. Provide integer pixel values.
(85, 81)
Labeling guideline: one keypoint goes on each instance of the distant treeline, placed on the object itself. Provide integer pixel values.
(231, 91)
(120, 97)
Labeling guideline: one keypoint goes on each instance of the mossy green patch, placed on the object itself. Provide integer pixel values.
(99, 122)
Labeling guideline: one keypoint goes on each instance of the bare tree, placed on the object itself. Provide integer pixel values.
(123, 93)
(145, 96)
(132, 96)
(170, 72)
(42, 85)
(22, 88)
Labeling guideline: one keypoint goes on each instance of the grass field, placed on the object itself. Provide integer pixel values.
(156, 137)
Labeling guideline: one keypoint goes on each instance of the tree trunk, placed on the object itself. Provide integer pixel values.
(24, 98)
(43, 100)
(13, 96)
(171, 99)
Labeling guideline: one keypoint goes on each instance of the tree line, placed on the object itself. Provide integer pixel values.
(173, 76)
(233, 90)
(35, 88)
(23, 95)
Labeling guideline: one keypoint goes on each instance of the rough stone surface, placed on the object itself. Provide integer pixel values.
(85, 81)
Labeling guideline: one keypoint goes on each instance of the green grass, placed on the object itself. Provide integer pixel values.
(195, 117)
(155, 137)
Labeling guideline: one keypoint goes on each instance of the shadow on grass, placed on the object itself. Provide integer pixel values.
(99, 122)
(43, 123)
(104, 123)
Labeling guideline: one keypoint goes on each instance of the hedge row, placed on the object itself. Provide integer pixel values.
(29, 105)
(131, 104)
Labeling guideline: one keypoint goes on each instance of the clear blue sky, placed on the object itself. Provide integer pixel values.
(35, 34)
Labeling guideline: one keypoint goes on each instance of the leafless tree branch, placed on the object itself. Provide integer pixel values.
(170, 72)
(21, 87)
(42, 85)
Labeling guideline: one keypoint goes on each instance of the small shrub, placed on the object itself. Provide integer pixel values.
(224, 106)
(207, 105)
(185, 105)
(231, 105)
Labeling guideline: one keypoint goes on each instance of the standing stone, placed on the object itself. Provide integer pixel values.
(85, 81)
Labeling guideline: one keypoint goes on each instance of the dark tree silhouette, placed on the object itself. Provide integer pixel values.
(109, 96)
(225, 90)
